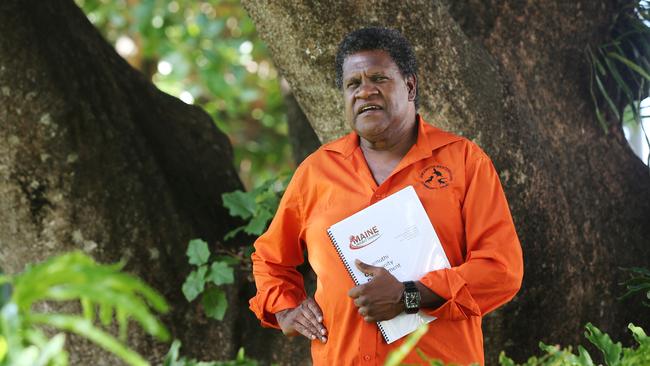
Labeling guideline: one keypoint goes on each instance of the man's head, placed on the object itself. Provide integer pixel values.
(378, 38)
(376, 71)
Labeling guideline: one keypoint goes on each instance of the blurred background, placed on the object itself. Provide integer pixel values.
(206, 53)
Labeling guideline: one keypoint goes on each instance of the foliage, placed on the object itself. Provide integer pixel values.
(214, 275)
(621, 68)
(171, 359)
(639, 283)
(397, 355)
(206, 52)
(614, 354)
(257, 206)
(102, 291)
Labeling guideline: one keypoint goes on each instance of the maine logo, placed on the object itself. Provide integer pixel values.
(365, 238)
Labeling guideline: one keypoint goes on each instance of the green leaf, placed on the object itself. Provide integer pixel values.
(3, 347)
(259, 222)
(27, 357)
(239, 204)
(608, 99)
(640, 270)
(194, 283)
(122, 322)
(599, 114)
(171, 358)
(110, 299)
(505, 360)
(77, 277)
(83, 327)
(228, 259)
(630, 64)
(397, 355)
(52, 349)
(240, 355)
(613, 71)
(637, 288)
(639, 283)
(599, 66)
(611, 351)
(198, 252)
(215, 303)
(232, 233)
(87, 308)
(5, 290)
(220, 274)
(639, 334)
(105, 314)
(584, 357)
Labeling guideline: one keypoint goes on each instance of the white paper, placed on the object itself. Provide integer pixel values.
(394, 233)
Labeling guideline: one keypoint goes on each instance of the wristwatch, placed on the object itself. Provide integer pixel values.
(411, 297)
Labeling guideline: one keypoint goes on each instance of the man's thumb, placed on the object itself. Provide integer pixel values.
(366, 268)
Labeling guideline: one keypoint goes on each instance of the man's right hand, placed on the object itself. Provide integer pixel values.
(306, 319)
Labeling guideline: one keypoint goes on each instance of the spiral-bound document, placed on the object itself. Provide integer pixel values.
(394, 233)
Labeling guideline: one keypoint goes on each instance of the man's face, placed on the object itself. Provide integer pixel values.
(378, 98)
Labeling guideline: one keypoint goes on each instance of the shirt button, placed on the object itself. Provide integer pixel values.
(366, 357)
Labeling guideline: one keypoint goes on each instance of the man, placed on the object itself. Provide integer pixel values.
(389, 148)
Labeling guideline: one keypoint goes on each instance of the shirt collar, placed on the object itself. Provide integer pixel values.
(429, 139)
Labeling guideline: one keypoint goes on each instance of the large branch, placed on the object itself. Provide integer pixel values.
(94, 157)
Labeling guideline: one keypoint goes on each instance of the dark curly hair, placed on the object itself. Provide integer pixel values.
(378, 38)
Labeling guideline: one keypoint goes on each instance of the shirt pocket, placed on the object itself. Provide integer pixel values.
(444, 208)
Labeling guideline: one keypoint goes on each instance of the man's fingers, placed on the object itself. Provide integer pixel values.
(305, 328)
(355, 291)
(360, 301)
(305, 319)
(365, 313)
(313, 320)
(315, 309)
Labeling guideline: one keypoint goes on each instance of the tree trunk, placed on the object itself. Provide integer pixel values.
(94, 157)
(515, 79)
(302, 137)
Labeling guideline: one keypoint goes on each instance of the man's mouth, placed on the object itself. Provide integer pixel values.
(367, 108)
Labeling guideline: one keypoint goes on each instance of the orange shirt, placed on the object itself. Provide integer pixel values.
(461, 193)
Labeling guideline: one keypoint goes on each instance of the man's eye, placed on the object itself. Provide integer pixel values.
(352, 84)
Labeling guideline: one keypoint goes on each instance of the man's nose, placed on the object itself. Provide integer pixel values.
(366, 89)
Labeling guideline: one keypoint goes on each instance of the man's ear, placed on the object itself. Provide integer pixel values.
(411, 85)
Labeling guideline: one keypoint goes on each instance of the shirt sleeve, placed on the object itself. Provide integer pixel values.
(277, 254)
(493, 269)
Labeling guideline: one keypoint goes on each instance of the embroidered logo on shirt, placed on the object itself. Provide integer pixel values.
(436, 176)
(365, 238)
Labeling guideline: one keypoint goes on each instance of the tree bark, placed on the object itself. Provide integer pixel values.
(94, 157)
(514, 78)
(302, 137)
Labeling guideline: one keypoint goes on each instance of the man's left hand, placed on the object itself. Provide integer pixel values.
(381, 298)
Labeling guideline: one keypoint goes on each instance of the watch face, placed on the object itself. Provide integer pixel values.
(412, 300)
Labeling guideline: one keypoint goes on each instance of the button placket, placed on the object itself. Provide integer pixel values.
(368, 343)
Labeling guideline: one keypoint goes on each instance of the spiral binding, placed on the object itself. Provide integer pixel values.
(354, 278)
